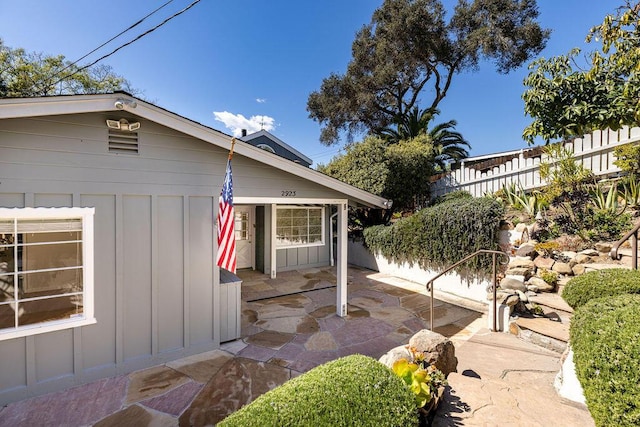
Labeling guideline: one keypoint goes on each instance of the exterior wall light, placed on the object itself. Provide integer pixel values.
(123, 124)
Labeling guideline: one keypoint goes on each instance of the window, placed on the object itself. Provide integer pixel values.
(241, 226)
(266, 147)
(46, 270)
(298, 226)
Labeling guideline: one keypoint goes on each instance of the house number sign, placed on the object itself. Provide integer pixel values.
(288, 193)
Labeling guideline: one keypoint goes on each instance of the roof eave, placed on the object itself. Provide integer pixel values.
(77, 104)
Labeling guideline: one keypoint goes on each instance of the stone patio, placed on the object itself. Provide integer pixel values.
(289, 326)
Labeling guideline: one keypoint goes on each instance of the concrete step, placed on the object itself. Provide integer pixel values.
(604, 266)
(542, 331)
(627, 252)
(504, 381)
(470, 401)
(551, 300)
(545, 326)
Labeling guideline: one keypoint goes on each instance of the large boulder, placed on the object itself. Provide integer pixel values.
(437, 350)
(513, 282)
(527, 250)
(544, 262)
(525, 272)
(519, 261)
(578, 269)
(562, 268)
(603, 247)
(582, 259)
(541, 285)
(395, 354)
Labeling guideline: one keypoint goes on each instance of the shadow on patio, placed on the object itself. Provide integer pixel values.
(289, 326)
(291, 320)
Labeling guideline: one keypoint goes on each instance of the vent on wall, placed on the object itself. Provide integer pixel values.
(123, 142)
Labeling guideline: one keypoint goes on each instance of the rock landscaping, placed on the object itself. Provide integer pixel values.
(544, 268)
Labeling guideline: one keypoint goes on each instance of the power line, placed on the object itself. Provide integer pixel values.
(128, 43)
(111, 39)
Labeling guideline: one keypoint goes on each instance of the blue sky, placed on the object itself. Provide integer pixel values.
(248, 59)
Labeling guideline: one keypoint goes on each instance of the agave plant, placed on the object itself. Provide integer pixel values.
(631, 191)
(517, 197)
(609, 201)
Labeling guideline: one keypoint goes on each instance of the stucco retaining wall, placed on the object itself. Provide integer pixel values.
(452, 283)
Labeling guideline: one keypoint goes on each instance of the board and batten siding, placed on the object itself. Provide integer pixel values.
(154, 231)
(154, 294)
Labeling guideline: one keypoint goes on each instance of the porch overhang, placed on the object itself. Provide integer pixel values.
(341, 262)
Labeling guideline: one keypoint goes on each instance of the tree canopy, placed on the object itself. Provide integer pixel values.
(448, 144)
(399, 172)
(25, 74)
(410, 48)
(565, 100)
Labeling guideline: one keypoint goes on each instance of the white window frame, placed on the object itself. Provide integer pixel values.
(87, 317)
(266, 147)
(280, 245)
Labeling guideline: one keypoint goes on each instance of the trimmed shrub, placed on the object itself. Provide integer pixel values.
(598, 284)
(441, 235)
(605, 337)
(351, 391)
(454, 195)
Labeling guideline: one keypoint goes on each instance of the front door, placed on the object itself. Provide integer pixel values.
(244, 236)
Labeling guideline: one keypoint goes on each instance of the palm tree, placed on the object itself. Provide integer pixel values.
(448, 144)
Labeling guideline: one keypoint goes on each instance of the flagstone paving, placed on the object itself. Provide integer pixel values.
(289, 326)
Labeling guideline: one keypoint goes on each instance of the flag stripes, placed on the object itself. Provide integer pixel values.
(226, 257)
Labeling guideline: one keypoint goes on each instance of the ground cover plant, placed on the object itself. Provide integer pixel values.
(438, 236)
(351, 391)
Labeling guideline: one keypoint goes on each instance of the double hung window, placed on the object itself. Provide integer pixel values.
(46, 270)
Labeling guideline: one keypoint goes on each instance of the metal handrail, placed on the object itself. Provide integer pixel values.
(463, 260)
(633, 236)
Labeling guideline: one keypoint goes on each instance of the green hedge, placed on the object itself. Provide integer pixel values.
(352, 391)
(605, 337)
(441, 235)
(598, 284)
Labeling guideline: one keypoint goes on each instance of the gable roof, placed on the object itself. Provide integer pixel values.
(77, 104)
(277, 141)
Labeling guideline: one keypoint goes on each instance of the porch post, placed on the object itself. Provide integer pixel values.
(341, 276)
(272, 242)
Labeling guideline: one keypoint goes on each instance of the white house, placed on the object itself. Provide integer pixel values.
(107, 213)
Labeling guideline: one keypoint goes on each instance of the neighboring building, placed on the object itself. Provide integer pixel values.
(107, 213)
(272, 144)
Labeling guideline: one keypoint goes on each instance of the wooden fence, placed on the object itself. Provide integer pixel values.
(487, 174)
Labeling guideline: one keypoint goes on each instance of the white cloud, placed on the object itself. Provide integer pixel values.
(261, 100)
(237, 122)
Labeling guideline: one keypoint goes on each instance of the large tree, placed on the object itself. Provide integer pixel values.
(28, 74)
(448, 144)
(399, 172)
(566, 99)
(409, 48)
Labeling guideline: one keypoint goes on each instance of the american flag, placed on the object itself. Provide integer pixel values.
(226, 234)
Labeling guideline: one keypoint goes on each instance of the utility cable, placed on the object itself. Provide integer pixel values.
(128, 43)
(112, 39)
